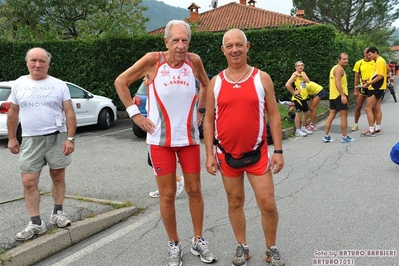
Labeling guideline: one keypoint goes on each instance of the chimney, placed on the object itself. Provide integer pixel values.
(243, 2)
(194, 13)
(300, 13)
(251, 3)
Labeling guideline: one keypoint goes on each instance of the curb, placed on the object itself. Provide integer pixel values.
(43, 247)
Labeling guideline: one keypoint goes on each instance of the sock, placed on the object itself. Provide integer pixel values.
(371, 129)
(57, 207)
(377, 127)
(36, 220)
(303, 128)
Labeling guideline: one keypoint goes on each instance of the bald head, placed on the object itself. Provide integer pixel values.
(234, 33)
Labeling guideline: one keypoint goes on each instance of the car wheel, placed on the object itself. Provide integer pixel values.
(138, 131)
(19, 134)
(104, 119)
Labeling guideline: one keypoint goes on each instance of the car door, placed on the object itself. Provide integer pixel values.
(83, 106)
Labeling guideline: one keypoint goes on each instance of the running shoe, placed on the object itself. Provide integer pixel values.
(60, 219)
(311, 127)
(299, 133)
(347, 139)
(180, 186)
(327, 138)
(199, 247)
(368, 134)
(154, 194)
(174, 254)
(354, 127)
(308, 132)
(30, 231)
(241, 256)
(272, 256)
(378, 132)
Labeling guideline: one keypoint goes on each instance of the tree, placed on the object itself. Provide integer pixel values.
(352, 17)
(71, 19)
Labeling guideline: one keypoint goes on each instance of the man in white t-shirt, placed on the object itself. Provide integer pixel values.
(43, 106)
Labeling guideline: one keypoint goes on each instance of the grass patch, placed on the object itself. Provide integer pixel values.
(284, 113)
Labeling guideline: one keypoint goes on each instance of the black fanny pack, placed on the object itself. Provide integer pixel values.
(248, 158)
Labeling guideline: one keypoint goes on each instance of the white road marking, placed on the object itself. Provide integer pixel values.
(87, 250)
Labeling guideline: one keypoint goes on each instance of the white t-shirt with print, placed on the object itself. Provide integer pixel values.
(40, 105)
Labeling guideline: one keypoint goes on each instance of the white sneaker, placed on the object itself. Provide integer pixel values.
(60, 219)
(308, 132)
(180, 186)
(154, 194)
(299, 133)
(30, 231)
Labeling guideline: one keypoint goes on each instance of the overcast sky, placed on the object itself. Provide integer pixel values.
(281, 6)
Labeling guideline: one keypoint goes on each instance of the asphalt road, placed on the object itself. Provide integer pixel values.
(332, 197)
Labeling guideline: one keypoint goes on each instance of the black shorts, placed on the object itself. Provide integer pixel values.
(321, 94)
(377, 93)
(336, 104)
(301, 106)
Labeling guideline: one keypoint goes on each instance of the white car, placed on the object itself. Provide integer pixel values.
(90, 109)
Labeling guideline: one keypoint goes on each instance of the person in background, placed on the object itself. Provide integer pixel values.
(338, 99)
(49, 140)
(376, 87)
(299, 96)
(363, 69)
(172, 129)
(225, 97)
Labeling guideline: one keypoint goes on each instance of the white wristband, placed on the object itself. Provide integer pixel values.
(132, 110)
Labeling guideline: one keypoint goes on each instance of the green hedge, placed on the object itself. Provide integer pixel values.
(94, 64)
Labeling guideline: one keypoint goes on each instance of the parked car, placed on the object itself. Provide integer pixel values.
(140, 99)
(90, 109)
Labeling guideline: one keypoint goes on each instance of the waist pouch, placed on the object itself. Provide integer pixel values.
(247, 159)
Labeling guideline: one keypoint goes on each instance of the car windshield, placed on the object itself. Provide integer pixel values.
(4, 93)
(142, 89)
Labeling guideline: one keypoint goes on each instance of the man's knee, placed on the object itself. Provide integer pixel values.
(236, 202)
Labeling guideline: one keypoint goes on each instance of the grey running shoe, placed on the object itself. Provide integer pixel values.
(272, 256)
(368, 134)
(30, 231)
(241, 256)
(174, 254)
(199, 247)
(60, 219)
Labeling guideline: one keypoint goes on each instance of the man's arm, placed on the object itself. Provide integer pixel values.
(69, 146)
(144, 66)
(273, 115)
(355, 84)
(12, 125)
(209, 129)
(288, 85)
(305, 77)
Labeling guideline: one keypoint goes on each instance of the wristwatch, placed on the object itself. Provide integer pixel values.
(201, 110)
(71, 139)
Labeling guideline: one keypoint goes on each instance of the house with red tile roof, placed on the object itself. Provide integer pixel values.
(239, 15)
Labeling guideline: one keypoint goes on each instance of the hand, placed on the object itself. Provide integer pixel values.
(356, 92)
(211, 165)
(68, 147)
(13, 146)
(146, 124)
(344, 99)
(277, 163)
